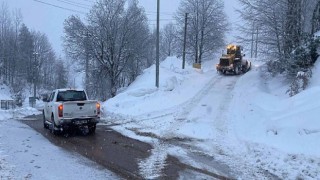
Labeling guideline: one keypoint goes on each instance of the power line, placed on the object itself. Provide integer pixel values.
(92, 1)
(167, 13)
(162, 20)
(80, 3)
(160, 14)
(84, 6)
(53, 5)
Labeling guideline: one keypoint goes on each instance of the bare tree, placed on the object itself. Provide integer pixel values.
(5, 39)
(282, 23)
(115, 38)
(26, 57)
(44, 59)
(169, 40)
(270, 18)
(315, 23)
(286, 33)
(26, 52)
(206, 28)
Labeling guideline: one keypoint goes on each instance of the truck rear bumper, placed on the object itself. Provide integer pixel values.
(79, 121)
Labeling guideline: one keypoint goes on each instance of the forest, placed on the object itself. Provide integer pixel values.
(27, 60)
(115, 43)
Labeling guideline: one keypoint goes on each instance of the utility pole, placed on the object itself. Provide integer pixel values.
(257, 36)
(157, 44)
(252, 39)
(87, 62)
(32, 100)
(35, 75)
(184, 41)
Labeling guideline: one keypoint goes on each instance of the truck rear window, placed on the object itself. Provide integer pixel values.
(71, 95)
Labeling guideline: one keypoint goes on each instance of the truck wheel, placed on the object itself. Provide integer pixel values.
(53, 126)
(92, 129)
(45, 125)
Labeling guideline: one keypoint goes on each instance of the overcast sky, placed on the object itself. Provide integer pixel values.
(49, 19)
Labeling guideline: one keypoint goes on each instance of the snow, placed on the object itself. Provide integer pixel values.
(5, 93)
(243, 127)
(288, 124)
(247, 122)
(314, 82)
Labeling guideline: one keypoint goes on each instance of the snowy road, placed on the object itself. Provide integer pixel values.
(198, 131)
(170, 137)
(26, 154)
(118, 153)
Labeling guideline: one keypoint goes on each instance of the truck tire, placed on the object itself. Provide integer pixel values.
(53, 127)
(92, 129)
(45, 125)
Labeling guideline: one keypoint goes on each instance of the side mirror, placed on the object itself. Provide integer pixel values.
(45, 99)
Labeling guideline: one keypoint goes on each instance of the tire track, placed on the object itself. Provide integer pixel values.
(153, 166)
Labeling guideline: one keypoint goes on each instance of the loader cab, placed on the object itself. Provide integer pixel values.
(235, 51)
(231, 49)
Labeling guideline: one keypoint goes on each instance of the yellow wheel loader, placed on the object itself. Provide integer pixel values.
(233, 61)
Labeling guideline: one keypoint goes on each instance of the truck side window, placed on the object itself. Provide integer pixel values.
(60, 97)
(51, 96)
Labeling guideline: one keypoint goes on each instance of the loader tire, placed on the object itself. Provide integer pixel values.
(236, 70)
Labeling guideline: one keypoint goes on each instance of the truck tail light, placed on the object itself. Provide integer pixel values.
(98, 108)
(60, 110)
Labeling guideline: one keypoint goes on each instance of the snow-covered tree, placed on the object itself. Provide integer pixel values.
(285, 32)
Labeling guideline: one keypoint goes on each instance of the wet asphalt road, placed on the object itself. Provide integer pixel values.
(112, 150)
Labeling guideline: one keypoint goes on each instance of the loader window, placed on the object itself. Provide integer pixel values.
(230, 51)
(71, 95)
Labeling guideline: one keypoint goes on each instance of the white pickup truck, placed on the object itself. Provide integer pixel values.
(68, 109)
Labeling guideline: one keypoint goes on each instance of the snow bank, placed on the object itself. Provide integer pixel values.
(17, 112)
(288, 124)
(142, 97)
(315, 81)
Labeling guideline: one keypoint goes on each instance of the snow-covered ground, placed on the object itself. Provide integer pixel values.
(26, 154)
(246, 122)
(244, 127)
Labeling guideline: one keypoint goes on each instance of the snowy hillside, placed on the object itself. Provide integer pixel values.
(246, 122)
